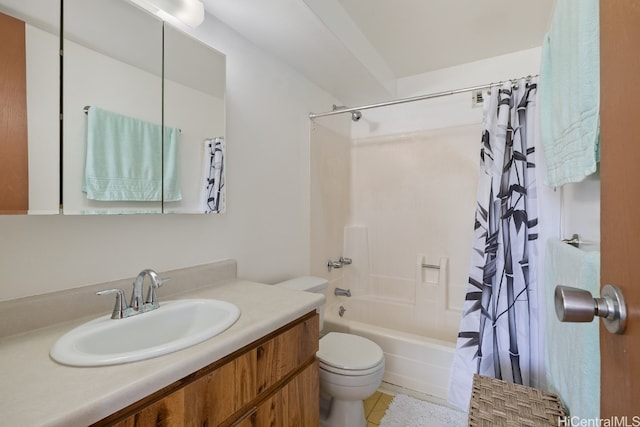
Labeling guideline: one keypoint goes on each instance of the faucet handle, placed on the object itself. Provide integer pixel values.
(152, 296)
(120, 305)
(333, 264)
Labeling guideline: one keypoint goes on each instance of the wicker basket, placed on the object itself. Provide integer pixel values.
(499, 403)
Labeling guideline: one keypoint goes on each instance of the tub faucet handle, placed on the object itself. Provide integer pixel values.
(345, 261)
(333, 264)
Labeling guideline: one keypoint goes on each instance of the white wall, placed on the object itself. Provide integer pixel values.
(266, 227)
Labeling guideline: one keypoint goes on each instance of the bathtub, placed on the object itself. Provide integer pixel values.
(412, 361)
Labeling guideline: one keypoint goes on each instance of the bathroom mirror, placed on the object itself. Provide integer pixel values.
(112, 73)
(30, 90)
(194, 102)
(124, 64)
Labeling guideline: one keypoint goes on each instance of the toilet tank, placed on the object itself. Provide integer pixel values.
(317, 285)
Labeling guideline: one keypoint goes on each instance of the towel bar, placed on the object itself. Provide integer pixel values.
(86, 108)
(574, 240)
(437, 267)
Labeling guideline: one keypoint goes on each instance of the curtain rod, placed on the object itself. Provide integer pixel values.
(414, 98)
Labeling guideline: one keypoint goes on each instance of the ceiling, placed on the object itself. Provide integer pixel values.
(358, 49)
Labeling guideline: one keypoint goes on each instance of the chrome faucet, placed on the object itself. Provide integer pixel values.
(137, 305)
(342, 292)
(338, 264)
(151, 303)
(333, 264)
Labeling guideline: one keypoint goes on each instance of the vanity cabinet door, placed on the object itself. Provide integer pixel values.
(273, 381)
(166, 412)
(217, 396)
(296, 404)
(279, 356)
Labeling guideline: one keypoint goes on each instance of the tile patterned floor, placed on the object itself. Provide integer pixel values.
(375, 406)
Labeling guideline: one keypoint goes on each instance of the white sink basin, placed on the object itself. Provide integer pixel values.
(173, 326)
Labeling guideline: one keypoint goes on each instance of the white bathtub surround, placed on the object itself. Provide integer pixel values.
(414, 193)
(356, 244)
(417, 302)
(496, 337)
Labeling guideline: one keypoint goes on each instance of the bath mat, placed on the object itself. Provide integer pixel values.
(405, 411)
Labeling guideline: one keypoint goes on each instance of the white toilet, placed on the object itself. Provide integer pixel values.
(351, 367)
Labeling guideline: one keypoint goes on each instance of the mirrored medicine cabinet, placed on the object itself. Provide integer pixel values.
(124, 62)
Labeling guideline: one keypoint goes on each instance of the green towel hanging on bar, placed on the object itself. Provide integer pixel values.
(124, 159)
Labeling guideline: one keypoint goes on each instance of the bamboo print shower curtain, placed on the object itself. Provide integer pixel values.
(497, 335)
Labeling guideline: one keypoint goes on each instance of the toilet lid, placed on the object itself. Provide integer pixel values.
(349, 352)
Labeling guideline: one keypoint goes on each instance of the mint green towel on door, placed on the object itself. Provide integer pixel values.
(572, 356)
(569, 92)
(124, 159)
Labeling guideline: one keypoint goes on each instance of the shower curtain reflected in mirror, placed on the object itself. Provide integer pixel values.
(498, 329)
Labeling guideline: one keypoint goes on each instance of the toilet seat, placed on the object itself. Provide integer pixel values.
(348, 354)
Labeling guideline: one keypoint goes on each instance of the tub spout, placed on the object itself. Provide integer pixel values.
(342, 292)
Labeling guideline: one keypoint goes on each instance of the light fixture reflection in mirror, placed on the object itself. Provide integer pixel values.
(190, 12)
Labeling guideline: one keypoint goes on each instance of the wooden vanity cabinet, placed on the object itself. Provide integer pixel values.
(270, 382)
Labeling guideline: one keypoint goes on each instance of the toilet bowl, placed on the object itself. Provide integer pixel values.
(351, 367)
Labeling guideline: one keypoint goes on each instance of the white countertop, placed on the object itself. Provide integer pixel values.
(36, 391)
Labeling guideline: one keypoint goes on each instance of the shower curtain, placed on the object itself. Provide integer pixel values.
(498, 330)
